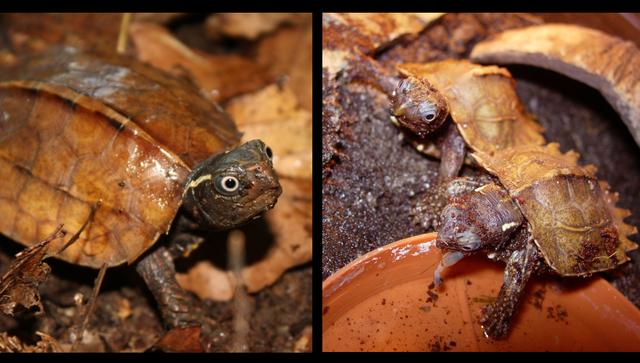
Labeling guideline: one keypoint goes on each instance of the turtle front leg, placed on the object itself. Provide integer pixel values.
(426, 212)
(452, 147)
(177, 307)
(497, 317)
(365, 69)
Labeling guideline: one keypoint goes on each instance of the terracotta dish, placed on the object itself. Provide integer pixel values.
(381, 302)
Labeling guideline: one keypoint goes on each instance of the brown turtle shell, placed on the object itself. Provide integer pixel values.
(79, 131)
(482, 102)
(573, 217)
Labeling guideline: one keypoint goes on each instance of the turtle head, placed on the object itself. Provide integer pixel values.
(484, 218)
(417, 106)
(231, 188)
(457, 231)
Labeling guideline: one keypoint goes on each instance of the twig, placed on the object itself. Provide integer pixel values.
(241, 304)
(92, 306)
(124, 33)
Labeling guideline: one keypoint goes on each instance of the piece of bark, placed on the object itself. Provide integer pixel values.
(218, 76)
(366, 32)
(249, 25)
(369, 31)
(604, 62)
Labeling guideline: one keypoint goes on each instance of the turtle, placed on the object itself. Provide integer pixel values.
(486, 113)
(127, 151)
(545, 214)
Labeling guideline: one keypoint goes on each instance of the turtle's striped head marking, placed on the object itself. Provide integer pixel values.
(233, 187)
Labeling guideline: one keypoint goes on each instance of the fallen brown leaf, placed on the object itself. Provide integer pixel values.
(124, 308)
(218, 76)
(249, 25)
(287, 53)
(181, 340)
(273, 115)
(35, 31)
(290, 222)
(12, 344)
(303, 344)
(159, 18)
(19, 285)
(208, 282)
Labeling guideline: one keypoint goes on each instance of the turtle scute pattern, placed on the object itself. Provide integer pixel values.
(573, 216)
(482, 102)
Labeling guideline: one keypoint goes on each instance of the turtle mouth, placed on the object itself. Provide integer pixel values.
(267, 200)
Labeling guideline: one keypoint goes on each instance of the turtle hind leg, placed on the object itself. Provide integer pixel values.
(497, 317)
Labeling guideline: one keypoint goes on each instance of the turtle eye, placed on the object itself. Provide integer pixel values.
(228, 184)
(430, 116)
(269, 153)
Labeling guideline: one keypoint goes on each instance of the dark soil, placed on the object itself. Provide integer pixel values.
(372, 177)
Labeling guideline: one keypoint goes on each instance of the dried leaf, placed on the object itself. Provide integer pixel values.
(19, 285)
(159, 18)
(218, 76)
(12, 344)
(249, 25)
(124, 308)
(276, 55)
(303, 344)
(290, 222)
(273, 115)
(208, 282)
(181, 340)
(36, 31)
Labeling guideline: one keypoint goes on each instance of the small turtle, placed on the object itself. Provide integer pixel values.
(119, 146)
(546, 214)
(486, 114)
